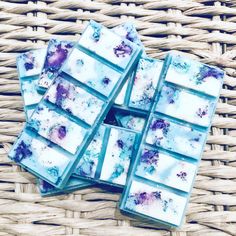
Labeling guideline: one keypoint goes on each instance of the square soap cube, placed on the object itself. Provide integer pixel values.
(155, 202)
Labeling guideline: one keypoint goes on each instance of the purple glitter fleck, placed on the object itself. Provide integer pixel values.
(61, 94)
(130, 36)
(202, 112)
(120, 143)
(123, 49)
(170, 93)
(150, 157)
(145, 198)
(106, 80)
(182, 175)
(62, 132)
(29, 66)
(29, 61)
(57, 57)
(206, 71)
(22, 151)
(160, 124)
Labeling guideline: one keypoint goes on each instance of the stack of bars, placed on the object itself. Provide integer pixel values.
(100, 111)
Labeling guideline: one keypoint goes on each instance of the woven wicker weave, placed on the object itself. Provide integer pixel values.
(205, 30)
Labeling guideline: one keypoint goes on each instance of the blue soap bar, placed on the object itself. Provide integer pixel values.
(72, 106)
(162, 176)
(125, 30)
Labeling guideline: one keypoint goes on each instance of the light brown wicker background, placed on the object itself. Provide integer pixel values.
(205, 30)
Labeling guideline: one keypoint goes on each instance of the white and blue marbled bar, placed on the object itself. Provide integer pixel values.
(62, 97)
(60, 49)
(162, 176)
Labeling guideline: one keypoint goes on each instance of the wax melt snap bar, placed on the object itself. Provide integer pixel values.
(29, 66)
(56, 51)
(72, 109)
(164, 170)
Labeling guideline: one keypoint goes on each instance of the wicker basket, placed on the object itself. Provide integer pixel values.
(203, 29)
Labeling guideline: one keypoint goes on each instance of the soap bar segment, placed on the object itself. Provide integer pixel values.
(39, 156)
(155, 202)
(175, 137)
(57, 53)
(87, 165)
(195, 75)
(100, 77)
(63, 94)
(184, 105)
(107, 45)
(29, 67)
(118, 155)
(57, 128)
(31, 63)
(162, 167)
(29, 92)
(128, 31)
(120, 99)
(145, 83)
